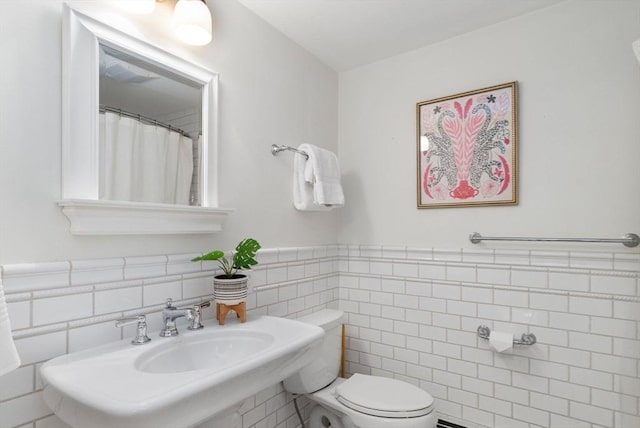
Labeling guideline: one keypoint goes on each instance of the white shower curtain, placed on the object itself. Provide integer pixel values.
(143, 163)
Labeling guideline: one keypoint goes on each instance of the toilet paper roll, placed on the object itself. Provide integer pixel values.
(501, 341)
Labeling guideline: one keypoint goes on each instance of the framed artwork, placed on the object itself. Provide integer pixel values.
(467, 147)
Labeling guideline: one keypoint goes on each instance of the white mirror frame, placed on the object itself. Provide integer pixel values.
(88, 214)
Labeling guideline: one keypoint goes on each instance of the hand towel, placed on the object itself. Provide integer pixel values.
(9, 359)
(302, 190)
(323, 172)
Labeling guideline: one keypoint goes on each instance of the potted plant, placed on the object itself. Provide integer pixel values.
(230, 288)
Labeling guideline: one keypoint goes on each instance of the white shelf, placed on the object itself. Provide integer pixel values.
(91, 217)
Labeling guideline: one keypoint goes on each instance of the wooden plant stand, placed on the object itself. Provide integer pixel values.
(222, 310)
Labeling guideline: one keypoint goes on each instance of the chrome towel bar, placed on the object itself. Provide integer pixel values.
(275, 149)
(629, 240)
(526, 339)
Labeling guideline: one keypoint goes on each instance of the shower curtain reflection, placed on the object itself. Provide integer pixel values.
(143, 163)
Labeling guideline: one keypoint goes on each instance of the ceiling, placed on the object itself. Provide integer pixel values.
(345, 34)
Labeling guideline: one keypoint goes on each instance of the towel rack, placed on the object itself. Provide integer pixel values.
(275, 149)
(629, 240)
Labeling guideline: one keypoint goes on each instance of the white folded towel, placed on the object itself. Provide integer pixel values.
(323, 172)
(302, 190)
(9, 359)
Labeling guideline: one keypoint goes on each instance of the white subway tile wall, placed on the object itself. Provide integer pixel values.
(62, 307)
(583, 307)
(412, 315)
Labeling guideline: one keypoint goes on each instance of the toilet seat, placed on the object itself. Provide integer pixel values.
(384, 397)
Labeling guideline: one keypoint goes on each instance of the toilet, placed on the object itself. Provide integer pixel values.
(362, 401)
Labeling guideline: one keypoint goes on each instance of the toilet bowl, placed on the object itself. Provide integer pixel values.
(356, 415)
(323, 418)
(362, 401)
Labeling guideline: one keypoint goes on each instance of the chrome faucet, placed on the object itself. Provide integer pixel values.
(196, 322)
(170, 314)
(141, 336)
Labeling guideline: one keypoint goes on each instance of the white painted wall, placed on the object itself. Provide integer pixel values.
(271, 91)
(579, 87)
(580, 99)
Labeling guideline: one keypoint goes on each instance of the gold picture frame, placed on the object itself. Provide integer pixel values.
(467, 147)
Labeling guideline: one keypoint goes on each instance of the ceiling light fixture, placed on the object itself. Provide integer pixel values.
(192, 22)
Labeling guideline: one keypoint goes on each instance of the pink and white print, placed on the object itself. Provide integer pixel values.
(467, 148)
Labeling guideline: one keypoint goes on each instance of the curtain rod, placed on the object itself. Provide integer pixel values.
(141, 118)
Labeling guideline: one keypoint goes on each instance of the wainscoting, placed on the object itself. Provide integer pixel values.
(62, 307)
(412, 314)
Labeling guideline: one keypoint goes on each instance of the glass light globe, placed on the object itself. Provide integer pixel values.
(192, 22)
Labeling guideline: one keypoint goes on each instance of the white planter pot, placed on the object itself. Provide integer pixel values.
(230, 291)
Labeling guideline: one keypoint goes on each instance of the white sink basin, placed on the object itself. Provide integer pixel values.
(204, 352)
(180, 381)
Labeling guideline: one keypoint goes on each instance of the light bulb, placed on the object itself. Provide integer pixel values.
(192, 22)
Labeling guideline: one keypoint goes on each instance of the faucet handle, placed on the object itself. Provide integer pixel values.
(196, 320)
(202, 305)
(141, 336)
(169, 304)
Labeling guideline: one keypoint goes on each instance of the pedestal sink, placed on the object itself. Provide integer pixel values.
(204, 352)
(177, 382)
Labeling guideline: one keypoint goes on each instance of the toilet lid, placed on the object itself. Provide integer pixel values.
(380, 396)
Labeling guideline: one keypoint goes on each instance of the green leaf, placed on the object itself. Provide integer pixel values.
(244, 256)
(214, 255)
(248, 246)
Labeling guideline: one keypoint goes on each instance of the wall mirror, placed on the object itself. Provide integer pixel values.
(139, 135)
(149, 128)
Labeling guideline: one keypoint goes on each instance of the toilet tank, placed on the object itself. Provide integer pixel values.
(324, 369)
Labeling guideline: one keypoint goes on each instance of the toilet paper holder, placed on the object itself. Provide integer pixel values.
(525, 339)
